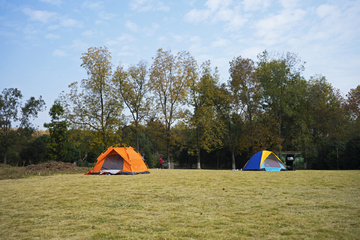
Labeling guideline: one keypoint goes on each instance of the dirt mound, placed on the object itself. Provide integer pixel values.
(52, 167)
(2, 165)
(43, 169)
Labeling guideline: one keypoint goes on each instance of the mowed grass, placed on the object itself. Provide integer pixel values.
(183, 204)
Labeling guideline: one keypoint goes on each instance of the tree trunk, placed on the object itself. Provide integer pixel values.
(233, 157)
(198, 148)
(279, 135)
(5, 155)
(168, 149)
(137, 141)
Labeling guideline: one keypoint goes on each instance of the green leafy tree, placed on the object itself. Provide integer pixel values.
(57, 142)
(326, 118)
(133, 86)
(208, 128)
(10, 106)
(96, 107)
(277, 75)
(352, 107)
(170, 78)
(232, 122)
(245, 88)
(35, 151)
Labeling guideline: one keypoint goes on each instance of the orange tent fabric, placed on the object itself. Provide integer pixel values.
(119, 160)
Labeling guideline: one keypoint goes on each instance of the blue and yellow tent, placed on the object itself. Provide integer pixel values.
(264, 161)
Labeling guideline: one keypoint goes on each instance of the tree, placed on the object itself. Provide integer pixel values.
(231, 121)
(57, 142)
(352, 107)
(10, 106)
(170, 78)
(325, 120)
(35, 151)
(353, 103)
(276, 76)
(203, 92)
(245, 88)
(133, 86)
(96, 107)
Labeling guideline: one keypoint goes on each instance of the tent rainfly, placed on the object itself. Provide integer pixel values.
(119, 160)
(264, 161)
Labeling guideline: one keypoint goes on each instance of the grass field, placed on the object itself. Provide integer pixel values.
(183, 204)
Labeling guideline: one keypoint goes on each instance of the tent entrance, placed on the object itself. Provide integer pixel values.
(112, 164)
(271, 163)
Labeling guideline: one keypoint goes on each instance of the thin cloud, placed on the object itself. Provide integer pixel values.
(59, 53)
(37, 15)
(93, 5)
(69, 22)
(148, 5)
(254, 5)
(106, 16)
(131, 26)
(52, 36)
(124, 38)
(221, 42)
(217, 11)
(276, 28)
(54, 2)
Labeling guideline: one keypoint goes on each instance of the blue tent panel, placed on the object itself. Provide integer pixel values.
(254, 162)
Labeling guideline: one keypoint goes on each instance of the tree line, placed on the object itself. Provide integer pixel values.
(180, 111)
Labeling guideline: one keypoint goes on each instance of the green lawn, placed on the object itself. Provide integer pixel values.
(183, 204)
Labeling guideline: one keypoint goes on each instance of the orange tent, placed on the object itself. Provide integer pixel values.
(119, 160)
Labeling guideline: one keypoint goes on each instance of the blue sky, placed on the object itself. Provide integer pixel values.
(41, 41)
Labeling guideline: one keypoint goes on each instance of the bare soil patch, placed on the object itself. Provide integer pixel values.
(43, 169)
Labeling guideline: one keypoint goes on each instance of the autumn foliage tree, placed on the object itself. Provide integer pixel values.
(133, 86)
(96, 106)
(170, 78)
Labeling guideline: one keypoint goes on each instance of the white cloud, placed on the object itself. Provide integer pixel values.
(196, 16)
(125, 51)
(326, 10)
(89, 33)
(124, 38)
(54, 2)
(59, 53)
(289, 3)
(79, 45)
(221, 42)
(217, 11)
(216, 4)
(69, 22)
(196, 45)
(52, 36)
(93, 5)
(147, 5)
(276, 28)
(253, 5)
(37, 15)
(178, 38)
(162, 39)
(106, 16)
(131, 26)
(53, 27)
(252, 52)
